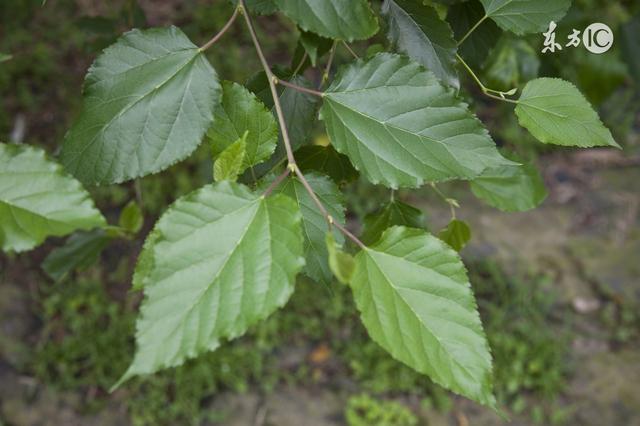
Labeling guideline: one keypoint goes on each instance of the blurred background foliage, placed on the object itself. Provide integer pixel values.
(65, 342)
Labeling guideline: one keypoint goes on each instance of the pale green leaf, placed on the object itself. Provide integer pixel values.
(314, 224)
(456, 234)
(148, 101)
(131, 218)
(525, 16)
(242, 112)
(555, 112)
(38, 199)
(229, 164)
(80, 251)
(510, 188)
(401, 127)
(326, 160)
(337, 19)
(144, 264)
(341, 264)
(416, 302)
(223, 258)
(418, 31)
(393, 213)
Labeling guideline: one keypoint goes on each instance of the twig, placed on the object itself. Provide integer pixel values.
(299, 88)
(222, 31)
(488, 92)
(327, 69)
(354, 54)
(472, 29)
(276, 182)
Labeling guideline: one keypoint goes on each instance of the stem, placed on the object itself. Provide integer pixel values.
(272, 79)
(485, 90)
(299, 67)
(327, 69)
(472, 29)
(354, 54)
(453, 204)
(299, 88)
(276, 182)
(222, 31)
(292, 167)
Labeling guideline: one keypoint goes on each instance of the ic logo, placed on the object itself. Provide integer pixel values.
(597, 38)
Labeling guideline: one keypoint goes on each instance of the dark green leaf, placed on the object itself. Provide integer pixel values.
(241, 112)
(328, 161)
(525, 16)
(475, 49)
(393, 213)
(456, 234)
(131, 218)
(401, 127)
(511, 63)
(148, 101)
(418, 31)
(79, 252)
(630, 39)
(336, 19)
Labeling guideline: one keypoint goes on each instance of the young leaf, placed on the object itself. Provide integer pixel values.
(525, 16)
(456, 234)
(400, 126)
(416, 302)
(341, 264)
(80, 251)
(510, 188)
(328, 161)
(418, 31)
(229, 164)
(477, 46)
(131, 217)
(148, 101)
(314, 224)
(394, 213)
(223, 258)
(242, 112)
(38, 199)
(555, 112)
(336, 19)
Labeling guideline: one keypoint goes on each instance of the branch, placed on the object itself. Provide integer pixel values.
(299, 88)
(354, 54)
(292, 167)
(276, 182)
(272, 80)
(472, 29)
(222, 31)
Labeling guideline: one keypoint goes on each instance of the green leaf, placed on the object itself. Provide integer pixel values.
(228, 166)
(242, 112)
(630, 40)
(261, 7)
(555, 112)
(79, 252)
(4, 57)
(418, 31)
(328, 161)
(525, 16)
(511, 63)
(223, 258)
(510, 188)
(145, 262)
(394, 213)
(314, 45)
(341, 264)
(416, 302)
(336, 19)
(131, 218)
(475, 49)
(400, 126)
(148, 101)
(38, 199)
(314, 224)
(456, 234)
